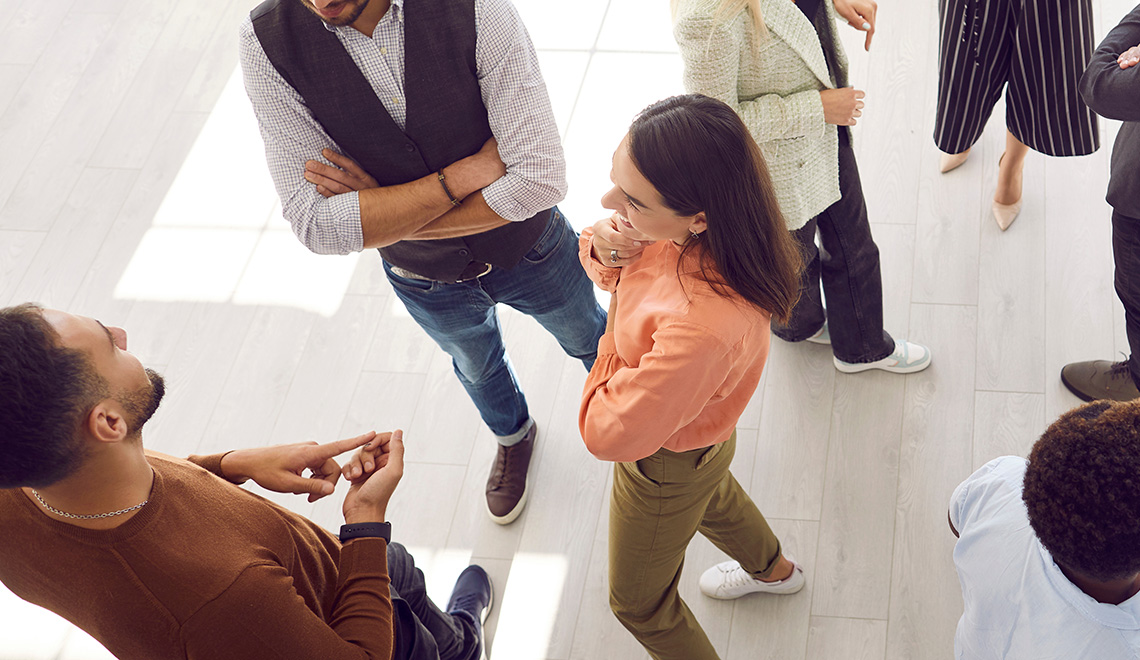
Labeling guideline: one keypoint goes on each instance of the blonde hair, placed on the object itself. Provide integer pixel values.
(727, 10)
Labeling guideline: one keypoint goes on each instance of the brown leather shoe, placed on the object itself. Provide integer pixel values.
(506, 487)
(1100, 379)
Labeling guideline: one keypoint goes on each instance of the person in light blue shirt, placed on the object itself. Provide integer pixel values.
(1048, 549)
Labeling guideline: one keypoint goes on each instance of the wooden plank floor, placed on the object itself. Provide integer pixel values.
(133, 189)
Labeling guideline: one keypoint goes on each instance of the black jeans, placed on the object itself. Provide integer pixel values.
(1126, 254)
(848, 266)
(423, 631)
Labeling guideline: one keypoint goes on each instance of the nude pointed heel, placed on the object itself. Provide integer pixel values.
(1005, 214)
(948, 162)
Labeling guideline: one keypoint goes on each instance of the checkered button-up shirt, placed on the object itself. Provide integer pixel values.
(518, 110)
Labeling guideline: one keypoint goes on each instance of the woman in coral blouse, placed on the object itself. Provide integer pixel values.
(688, 340)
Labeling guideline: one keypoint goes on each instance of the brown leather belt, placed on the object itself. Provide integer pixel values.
(474, 271)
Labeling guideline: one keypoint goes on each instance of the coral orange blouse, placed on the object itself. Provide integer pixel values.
(680, 365)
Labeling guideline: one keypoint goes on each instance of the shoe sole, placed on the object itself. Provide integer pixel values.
(849, 368)
(1077, 393)
(770, 592)
(490, 603)
(483, 616)
(514, 513)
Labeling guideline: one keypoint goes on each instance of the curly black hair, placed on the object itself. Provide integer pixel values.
(1082, 490)
(47, 391)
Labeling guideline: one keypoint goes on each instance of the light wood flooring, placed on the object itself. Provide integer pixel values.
(132, 189)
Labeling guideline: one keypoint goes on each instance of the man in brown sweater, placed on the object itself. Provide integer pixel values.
(158, 557)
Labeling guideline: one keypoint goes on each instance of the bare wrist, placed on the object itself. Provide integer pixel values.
(232, 468)
(364, 515)
(473, 173)
(459, 177)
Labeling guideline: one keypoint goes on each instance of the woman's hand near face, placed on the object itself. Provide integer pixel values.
(608, 237)
(842, 106)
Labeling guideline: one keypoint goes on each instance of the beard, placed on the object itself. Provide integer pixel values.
(141, 404)
(347, 17)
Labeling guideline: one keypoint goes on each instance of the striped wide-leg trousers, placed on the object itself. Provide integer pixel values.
(1040, 48)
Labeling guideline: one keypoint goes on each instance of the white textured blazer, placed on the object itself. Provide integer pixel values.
(775, 90)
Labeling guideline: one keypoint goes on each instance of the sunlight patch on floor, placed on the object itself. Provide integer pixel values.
(530, 606)
(218, 235)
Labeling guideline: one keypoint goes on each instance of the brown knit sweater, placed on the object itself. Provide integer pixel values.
(204, 570)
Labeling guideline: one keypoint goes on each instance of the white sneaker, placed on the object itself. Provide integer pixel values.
(907, 358)
(823, 336)
(728, 580)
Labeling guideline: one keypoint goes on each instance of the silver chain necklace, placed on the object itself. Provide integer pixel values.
(88, 516)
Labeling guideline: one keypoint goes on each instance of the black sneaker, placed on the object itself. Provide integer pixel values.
(1100, 379)
(472, 594)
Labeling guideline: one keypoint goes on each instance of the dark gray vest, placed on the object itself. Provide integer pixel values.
(446, 118)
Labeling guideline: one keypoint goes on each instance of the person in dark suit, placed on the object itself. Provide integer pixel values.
(1111, 87)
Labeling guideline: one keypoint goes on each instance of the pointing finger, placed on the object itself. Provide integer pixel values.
(338, 447)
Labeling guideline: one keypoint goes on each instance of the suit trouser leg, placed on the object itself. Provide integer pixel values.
(658, 504)
(1126, 254)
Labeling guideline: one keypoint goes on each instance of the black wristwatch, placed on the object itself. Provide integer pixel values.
(381, 530)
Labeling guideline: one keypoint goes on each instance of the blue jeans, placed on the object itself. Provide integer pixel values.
(848, 268)
(548, 284)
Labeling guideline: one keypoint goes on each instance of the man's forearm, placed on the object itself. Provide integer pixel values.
(393, 213)
(471, 217)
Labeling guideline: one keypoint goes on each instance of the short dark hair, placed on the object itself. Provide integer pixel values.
(47, 391)
(1082, 490)
(699, 155)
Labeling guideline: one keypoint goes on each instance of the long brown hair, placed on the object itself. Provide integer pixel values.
(699, 156)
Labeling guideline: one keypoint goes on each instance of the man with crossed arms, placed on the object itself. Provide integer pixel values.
(451, 167)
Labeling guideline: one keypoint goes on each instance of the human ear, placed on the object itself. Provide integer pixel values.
(106, 423)
(699, 224)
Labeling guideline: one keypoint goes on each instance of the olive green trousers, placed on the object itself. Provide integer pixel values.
(658, 504)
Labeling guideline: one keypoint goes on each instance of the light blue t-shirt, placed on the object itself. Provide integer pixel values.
(1019, 605)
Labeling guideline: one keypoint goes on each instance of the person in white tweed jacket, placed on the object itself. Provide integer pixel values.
(780, 65)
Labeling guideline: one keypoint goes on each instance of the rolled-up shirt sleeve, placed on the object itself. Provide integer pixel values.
(519, 113)
(292, 136)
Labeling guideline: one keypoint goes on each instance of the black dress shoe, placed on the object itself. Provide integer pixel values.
(1100, 379)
